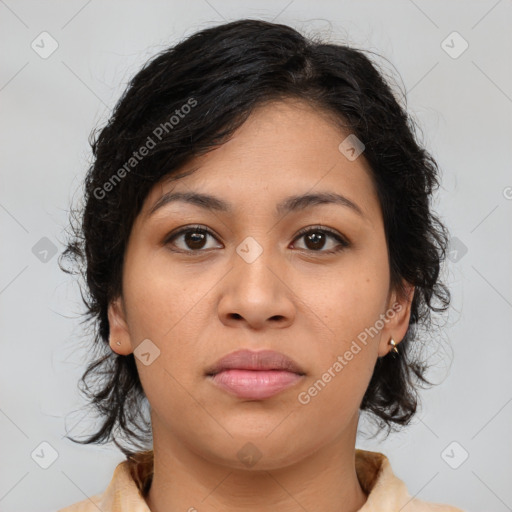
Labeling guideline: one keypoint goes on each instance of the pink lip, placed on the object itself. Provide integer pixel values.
(255, 384)
(255, 375)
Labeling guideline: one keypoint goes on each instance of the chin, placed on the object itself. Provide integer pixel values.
(249, 451)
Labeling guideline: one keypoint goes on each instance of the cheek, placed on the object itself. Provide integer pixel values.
(350, 307)
(159, 297)
(345, 360)
(353, 299)
(171, 308)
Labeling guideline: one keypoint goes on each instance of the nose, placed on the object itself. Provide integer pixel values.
(256, 294)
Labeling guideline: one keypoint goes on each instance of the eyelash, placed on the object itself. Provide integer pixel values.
(344, 243)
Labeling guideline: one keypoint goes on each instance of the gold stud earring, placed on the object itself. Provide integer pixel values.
(393, 344)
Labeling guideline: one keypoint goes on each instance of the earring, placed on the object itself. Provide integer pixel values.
(118, 343)
(393, 344)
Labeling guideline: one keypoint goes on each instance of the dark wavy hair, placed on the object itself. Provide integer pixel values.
(191, 98)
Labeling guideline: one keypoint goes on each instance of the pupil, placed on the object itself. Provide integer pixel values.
(195, 239)
(318, 240)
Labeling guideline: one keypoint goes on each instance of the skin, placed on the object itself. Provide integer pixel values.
(294, 298)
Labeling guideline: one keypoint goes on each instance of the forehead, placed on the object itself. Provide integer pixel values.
(284, 148)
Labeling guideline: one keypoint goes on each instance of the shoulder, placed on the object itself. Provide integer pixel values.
(385, 491)
(416, 505)
(88, 505)
(123, 494)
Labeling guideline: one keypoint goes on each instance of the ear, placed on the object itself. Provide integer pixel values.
(396, 318)
(119, 336)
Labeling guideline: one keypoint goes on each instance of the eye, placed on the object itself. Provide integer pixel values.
(315, 239)
(193, 239)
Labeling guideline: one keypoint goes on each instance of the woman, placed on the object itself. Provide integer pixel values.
(260, 259)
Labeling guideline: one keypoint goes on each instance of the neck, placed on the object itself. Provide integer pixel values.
(325, 480)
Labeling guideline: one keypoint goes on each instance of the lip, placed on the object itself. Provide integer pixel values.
(255, 375)
(251, 360)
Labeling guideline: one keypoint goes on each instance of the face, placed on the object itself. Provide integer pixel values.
(307, 279)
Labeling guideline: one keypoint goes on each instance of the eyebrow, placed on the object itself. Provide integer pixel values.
(290, 204)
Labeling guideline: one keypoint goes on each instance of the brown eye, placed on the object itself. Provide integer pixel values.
(195, 239)
(315, 239)
(191, 239)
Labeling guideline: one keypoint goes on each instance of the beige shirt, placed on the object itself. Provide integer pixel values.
(385, 492)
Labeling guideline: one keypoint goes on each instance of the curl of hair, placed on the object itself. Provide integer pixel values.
(228, 71)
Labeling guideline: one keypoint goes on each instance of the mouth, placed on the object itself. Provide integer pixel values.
(255, 375)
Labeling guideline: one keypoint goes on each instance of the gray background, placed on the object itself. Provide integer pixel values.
(50, 105)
